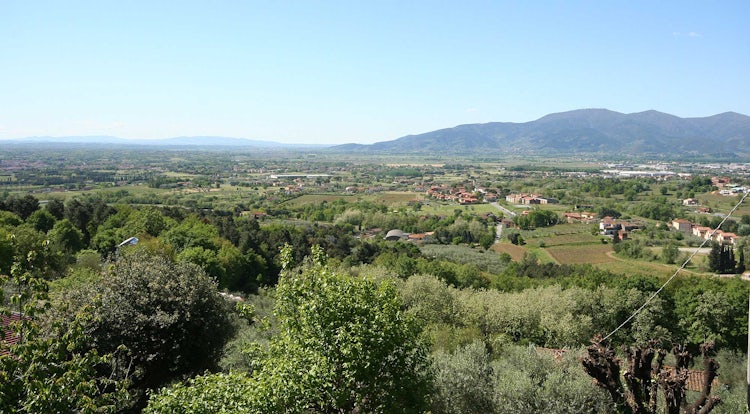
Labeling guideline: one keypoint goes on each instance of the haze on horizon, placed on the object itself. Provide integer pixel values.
(338, 72)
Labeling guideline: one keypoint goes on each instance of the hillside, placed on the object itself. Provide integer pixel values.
(584, 131)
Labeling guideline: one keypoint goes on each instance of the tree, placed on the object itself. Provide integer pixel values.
(42, 220)
(169, 316)
(645, 373)
(344, 344)
(206, 394)
(721, 258)
(66, 237)
(50, 369)
(464, 381)
(57, 208)
(23, 206)
(669, 253)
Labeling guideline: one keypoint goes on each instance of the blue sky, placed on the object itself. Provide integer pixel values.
(358, 71)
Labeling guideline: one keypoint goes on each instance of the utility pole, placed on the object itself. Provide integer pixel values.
(747, 408)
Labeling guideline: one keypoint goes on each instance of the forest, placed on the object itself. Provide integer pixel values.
(197, 281)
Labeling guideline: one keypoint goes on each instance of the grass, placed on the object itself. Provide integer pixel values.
(581, 254)
(318, 199)
(441, 208)
(399, 197)
(515, 252)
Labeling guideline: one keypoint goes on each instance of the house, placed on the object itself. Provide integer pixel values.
(725, 237)
(582, 217)
(690, 202)
(608, 224)
(702, 231)
(683, 226)
(720, 182)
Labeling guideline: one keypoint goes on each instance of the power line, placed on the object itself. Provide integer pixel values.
(697, 249)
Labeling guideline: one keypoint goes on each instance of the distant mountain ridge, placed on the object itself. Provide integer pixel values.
(582, 131)
(191, 141)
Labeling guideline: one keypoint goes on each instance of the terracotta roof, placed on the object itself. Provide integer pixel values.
(9, 336)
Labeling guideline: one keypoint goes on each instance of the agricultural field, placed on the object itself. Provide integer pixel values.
(582, 254)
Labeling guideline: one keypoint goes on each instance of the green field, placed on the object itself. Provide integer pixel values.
(581, 254)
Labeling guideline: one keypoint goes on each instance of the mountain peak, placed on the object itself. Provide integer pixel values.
(594, 130)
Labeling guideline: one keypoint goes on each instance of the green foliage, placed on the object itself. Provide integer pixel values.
(169, 316)
(51, 369)
(464, 381)
(22, 206)
(206, 394)
(658, 209)
(528, 382)
(536, 219)
(192, 233)
(66, 237)
(633, 249)
(42, 220)
(713, 310)
(344, 345)
(9, 219)
(486, 261)
(669, 253)
(721, 258)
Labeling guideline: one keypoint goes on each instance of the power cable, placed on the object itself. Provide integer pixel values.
(697, 249)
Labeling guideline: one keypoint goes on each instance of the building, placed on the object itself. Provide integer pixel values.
(395, 235)
(683, 226)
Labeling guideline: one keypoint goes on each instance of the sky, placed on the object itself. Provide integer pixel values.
(333, 72)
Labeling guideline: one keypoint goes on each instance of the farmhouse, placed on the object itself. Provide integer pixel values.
(582, 217)
(529, 199)
(608, 226)
(683, 226)
(690, 202)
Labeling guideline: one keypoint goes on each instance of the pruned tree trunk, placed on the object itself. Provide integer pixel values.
(645, 374)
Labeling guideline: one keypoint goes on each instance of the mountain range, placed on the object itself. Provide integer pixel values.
(582, 131)
(193, 141)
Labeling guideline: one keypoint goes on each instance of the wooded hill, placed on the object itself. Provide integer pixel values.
(583, 131)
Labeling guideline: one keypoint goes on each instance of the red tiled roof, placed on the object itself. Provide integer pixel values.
(9, 336)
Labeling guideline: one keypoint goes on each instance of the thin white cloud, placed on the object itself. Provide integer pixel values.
(472, 109)
(695, 34)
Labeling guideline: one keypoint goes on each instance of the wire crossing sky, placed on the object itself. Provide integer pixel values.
(684, 264)
(357, 71)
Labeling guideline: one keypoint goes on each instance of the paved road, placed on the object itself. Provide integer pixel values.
(503, 209)
(702, 250)
(507, 212)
